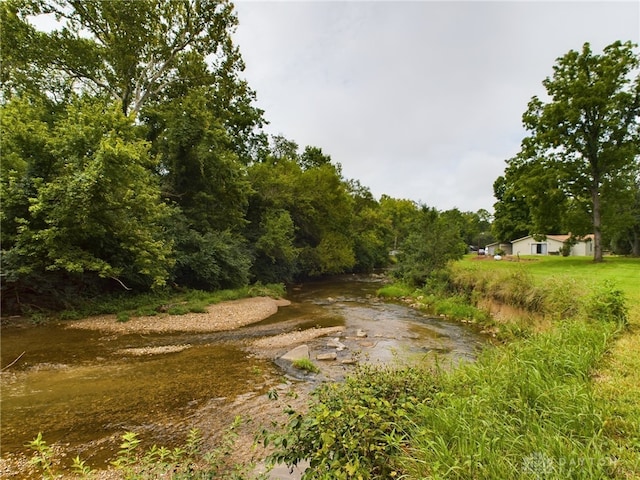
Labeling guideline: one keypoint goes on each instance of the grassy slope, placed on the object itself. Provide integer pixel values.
(617, 381)
(557, 403)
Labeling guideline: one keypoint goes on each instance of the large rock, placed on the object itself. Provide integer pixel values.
(298, 353)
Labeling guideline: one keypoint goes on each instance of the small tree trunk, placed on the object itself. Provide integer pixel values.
(635, 244)
(597, 224)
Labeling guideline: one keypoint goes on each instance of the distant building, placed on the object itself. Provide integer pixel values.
(497, 247)
(552, 245)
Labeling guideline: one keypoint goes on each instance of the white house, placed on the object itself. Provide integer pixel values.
(492, 248)
(552, 245)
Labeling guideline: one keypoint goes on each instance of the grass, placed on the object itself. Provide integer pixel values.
(128, 305)
(580, 272)
(525, 410)
(556, 403)
(306, 365)
(616, 381)
(396, 290)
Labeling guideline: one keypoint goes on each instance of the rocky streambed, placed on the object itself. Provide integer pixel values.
(83, 384)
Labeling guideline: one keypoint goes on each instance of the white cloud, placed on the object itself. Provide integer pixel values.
(419, 100)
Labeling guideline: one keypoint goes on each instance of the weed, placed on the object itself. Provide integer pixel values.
(133, 463)
(306, 365)
(43, 456)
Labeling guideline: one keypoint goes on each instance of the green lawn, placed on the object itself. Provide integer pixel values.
(624, 272)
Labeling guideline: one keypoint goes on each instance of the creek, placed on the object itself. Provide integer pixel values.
(82, 392)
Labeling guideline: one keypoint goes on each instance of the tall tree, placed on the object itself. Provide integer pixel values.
(588, 133)
(138, 53)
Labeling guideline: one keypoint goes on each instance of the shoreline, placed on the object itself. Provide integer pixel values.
(223, 316)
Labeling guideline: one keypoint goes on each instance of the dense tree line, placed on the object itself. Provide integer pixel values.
(133, 158)
(578, 170)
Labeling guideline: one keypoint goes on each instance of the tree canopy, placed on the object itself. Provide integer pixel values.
(134, 158)
(580, 163)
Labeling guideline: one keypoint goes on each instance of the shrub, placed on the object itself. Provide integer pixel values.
(607, 303)
(355, 429)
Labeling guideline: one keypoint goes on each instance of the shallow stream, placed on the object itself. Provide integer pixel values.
(80, 390)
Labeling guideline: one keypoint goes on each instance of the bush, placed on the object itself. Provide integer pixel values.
(355, 429)
(607, 303)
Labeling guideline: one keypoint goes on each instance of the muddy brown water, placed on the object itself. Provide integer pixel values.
(81, 391)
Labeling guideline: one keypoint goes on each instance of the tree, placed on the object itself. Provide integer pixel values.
(139, 53)
(432, 243)
(370, 230)
(623, 230)
(199, 168)
(312, 203)
(586, 135)
(83, 204)
(400, 213)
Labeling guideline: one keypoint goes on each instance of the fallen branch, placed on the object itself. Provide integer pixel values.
(13, 363)
(120, 282)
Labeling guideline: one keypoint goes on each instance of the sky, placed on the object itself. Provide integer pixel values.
(419, 100)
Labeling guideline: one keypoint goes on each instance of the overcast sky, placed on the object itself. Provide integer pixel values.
(416, 100)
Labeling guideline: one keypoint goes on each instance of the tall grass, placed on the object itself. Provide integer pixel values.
(527, 409)
(522, 411)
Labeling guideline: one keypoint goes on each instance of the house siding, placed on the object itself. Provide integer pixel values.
(492, 247)
(550, 246)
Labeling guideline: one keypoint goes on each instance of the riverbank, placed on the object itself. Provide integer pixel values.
(172, 382)
(223, 316)
(557, 400)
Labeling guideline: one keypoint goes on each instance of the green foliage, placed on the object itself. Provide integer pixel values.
(208, 261)
(201, 172)
(300, 218)
(188, 462)
(396, 290)
(42, 457)
(92, 211)
(431, 245)
(306, 365)
(352, 430)
(512, 218)
(80, 468)
(517, 405)
(275, 251)
(371, 230)
(578, 168)
(496, 418)
(607, 303)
